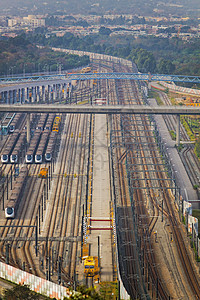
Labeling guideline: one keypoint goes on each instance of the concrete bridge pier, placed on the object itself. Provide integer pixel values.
(28, 137)
(23, 95)
(43, 93)
(27, 94)
(65, 91)
(60, 92)
(2, 97)
(178, 130)
(33, 95)
(10, 97)
(49, 93)
(33, 98)
(54, 93)
(69, 94)
(38, 94)
(14, 96)
(19, 96)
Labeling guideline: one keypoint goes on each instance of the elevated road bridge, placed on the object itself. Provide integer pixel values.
(107, 109)
(95, 109)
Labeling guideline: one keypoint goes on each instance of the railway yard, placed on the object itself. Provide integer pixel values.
(92, 196)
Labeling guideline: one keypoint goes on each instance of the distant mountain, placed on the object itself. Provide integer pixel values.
(142, 7)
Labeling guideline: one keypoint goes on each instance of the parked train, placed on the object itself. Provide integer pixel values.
(33, 146)
(9, 146)
(42, 122)
(5, 123)
(11, 208)
(50, 121)
(16, 122)
(14, 156)
(39, 155)
(50, 146)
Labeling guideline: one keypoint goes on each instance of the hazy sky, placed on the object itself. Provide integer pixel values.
(99, 6)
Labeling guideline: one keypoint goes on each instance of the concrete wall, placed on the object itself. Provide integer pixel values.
(35, 283)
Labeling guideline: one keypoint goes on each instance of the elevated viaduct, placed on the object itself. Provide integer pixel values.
(107, 109)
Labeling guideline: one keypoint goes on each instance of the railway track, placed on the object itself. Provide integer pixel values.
(62, 222)
(138, 208)
(147, 226)
(59, 235)
(187, 155)
(139, 198)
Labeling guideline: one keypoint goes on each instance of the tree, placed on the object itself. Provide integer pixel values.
(166, 67)
(104, 30)
(108, 290)
(85, 293)
(19, 40)
(82, 23)
(20, 292)
(144, 59)
(197, 147)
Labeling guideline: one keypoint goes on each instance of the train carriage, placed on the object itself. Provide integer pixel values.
(16, 122)
(50, 146)
(42, 147)
(42, 121)
(14, 156)
(16, 194)
(50, 121)
(5, 156)
(5, 123)
(33, 146)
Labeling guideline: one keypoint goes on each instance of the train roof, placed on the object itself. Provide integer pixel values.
(11, 142)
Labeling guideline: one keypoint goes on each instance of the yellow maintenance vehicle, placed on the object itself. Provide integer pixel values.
(56, 123)
(86, 70)
(43, 173)
(91, 266)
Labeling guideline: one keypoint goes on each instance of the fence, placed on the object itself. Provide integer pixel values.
(37, 284)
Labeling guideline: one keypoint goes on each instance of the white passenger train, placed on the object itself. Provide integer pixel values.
(16, 195)
(39, 155)
(33, 147)
(5, 156)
